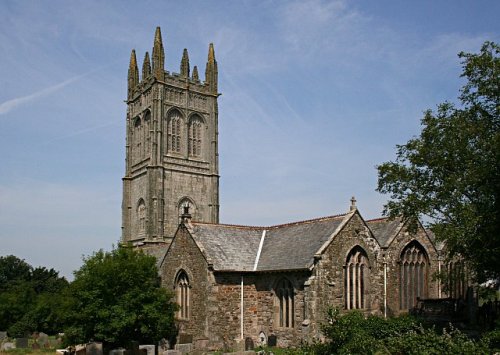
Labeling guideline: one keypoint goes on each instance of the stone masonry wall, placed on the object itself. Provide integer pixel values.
(183, 254)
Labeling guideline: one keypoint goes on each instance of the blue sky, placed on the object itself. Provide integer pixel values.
(315, 94)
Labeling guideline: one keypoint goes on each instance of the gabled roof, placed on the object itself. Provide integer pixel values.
(293, 246)
(283, 247)
(384, 229)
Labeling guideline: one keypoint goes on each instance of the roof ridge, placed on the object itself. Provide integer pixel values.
(308, 220)
(273, 226)
(377, 219)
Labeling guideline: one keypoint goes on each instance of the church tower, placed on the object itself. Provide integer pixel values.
(171, 147)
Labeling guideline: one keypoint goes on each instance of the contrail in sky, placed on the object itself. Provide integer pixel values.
(9, 105)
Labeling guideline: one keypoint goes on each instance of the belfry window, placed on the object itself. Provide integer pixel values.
(413, 275)
(356, 279)
(137, 139)
(194, 141)
(147, 134)
(285, 299)
(174, 132)
(182, 295)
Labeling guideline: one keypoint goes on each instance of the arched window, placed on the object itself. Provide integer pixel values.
(194, 141)
(457, 279)
(413, 275)
(356, 279)
(182, 294)
(141, 217)
(285, 302)
(186, 202)
(174, 132)
(147, 134)
(137, 140)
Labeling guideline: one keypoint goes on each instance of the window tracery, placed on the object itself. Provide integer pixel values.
(141, 214)
(356, 277)
(285, 299)
(413, 274)
(174, 132)
(183, 295)
(194, 139)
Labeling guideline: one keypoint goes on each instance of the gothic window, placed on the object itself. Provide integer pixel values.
(182, 294)
(413, 275)
(137, 140)
(141, 217)
(174, 132)
(457, 279)
(356, 279)
(194, 141)
(285, 302)
(147, 134)
(186, 202)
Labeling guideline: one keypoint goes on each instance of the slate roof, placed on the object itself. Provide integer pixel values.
(293, 246)
(285, 247)
(384, 229)
(228, 247)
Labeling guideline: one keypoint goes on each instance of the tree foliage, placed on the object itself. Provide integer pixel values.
(451, 172)
(30, 298)
(116, 298)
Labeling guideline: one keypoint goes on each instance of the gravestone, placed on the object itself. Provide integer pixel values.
(3, 335)
(149, 348)
(35, 346)
(262, 339)
(43, 339)
(185, 338)
(22, 343)
(184, 348)
(7, 346)
(272, 340)
(94, 348)
(249, 344)
(119, 351)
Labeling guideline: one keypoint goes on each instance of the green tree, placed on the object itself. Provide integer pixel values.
(30, 298)
(116, 297)
(451, 172)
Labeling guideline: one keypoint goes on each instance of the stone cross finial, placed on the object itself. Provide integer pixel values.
(353, 203)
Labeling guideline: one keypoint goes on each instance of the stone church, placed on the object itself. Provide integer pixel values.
(234, 283)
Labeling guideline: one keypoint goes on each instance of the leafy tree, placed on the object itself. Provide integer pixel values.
(116, 297)
(451, 173)
(30, 298)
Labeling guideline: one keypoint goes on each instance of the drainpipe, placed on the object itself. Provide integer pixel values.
(241, 309)
(439, 279)
(385, 289)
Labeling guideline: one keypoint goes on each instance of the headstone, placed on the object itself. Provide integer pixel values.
(7, 346)
(249, 344)
(149, 348)
(3, 335)
(172, 352)
(185, 338)
(119, 351)
(184, 348)
(272, 340)
(35, 345)
(22, 343)
(94, 348)
(262, 339)
(163, 345)
(43, 339)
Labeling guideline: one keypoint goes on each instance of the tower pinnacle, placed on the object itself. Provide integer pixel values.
(146, 67)
(158, 56)
(185, 64)
(133, 72)
(211, 72)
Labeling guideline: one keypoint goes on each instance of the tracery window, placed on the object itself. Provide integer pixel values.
(183, 294)
(174, 132)
(285, 299)
(194, 141)
(141, 214)
(457, 279)
(356, 279)
(414, 269)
